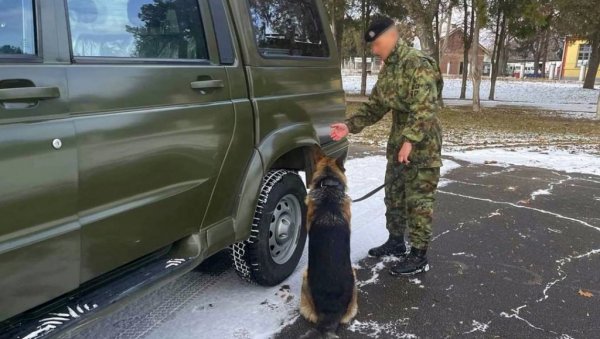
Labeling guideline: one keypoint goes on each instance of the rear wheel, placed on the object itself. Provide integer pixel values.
(278, 233)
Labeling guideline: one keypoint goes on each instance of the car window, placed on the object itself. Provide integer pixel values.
(148, 29)
(288, 28)
(17, 28)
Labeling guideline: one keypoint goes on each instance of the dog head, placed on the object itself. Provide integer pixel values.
(329, 172)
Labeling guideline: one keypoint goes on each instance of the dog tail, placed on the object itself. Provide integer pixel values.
(328, 324)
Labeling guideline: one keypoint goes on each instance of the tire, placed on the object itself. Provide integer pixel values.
(278, 232)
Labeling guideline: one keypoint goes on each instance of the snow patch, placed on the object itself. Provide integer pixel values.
(256, 312)
(557, 160)
(374, 329)
(495, 214)
(479, 327)
(375, 271)
(540, 192)
(553, 95)
(463, 254)
(449, 166)
(516, 314)
(417, 282)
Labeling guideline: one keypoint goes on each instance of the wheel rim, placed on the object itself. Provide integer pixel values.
(284, 230)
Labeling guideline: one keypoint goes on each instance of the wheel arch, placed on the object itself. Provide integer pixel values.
(289, 148)
(286, 148)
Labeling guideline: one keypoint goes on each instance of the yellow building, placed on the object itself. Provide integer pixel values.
(576, 53)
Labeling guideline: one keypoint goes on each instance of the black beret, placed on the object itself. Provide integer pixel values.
(377, 27)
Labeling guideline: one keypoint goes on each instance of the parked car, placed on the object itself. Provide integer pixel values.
(140, 137)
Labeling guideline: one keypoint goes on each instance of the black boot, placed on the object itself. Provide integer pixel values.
(415, 262)
(393, 246)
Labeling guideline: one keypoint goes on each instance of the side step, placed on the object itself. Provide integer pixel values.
(101, 296)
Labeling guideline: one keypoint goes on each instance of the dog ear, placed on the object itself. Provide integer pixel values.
(340, 163)
(317, 153)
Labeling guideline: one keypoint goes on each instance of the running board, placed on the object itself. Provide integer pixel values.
(99, 297)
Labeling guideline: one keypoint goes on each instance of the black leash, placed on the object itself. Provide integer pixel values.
(399, 168)
(370, 194)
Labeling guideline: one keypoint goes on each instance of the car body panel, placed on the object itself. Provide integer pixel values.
(39, 228)
(147, 161)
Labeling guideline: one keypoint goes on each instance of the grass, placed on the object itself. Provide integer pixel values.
(500, 127)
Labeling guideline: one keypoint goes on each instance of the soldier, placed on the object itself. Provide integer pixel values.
(409, 85)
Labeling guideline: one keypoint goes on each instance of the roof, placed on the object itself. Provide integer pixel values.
(460, 30)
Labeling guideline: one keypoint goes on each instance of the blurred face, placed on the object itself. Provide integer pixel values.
(385, 43)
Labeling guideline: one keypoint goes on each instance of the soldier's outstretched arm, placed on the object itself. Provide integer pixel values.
(423, 100)
(368, 114)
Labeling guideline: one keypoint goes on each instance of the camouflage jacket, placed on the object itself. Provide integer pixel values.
(408, 85)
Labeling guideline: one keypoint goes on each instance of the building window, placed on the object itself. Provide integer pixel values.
(585, 52)
(146, 29)
(17, 28)
(288, 28)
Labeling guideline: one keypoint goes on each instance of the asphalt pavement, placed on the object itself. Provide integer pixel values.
(505, 263)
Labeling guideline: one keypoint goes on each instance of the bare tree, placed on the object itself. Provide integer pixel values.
(425, 14)
(479, 14)
(502, 10)
(467, 42)
(365, 9)
(448, 28)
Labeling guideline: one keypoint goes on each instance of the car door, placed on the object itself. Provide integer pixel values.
(39, 229)
(153, 119)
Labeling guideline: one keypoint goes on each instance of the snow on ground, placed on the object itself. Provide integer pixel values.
(557, 160)
(528, 91)
(553, 95)
(243, 310)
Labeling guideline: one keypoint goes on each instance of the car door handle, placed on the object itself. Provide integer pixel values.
(207, 84)
(29, 93)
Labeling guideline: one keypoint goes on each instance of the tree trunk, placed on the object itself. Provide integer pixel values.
(467, 46)
(494, 53)
(537, 55)
(436, 50)
(593, 64)
(425, 33)
(544, 52)
(424, 18)
(497, 56)
(439, 54)
(448, 28)
(366, 15)
(475, 66)
(504, 54)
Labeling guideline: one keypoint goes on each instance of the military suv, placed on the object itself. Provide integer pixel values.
(139, 137)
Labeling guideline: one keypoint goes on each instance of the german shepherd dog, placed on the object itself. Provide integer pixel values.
(329, 296)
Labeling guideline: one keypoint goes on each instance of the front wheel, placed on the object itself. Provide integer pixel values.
(278, 232)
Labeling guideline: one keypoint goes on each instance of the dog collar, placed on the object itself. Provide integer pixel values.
(331, 183)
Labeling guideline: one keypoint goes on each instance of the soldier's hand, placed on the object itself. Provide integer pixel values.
(405, 153)
(339, 131)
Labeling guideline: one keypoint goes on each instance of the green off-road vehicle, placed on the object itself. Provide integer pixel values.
(139, 137)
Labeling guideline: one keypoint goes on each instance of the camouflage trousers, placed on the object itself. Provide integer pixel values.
(409, 200)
